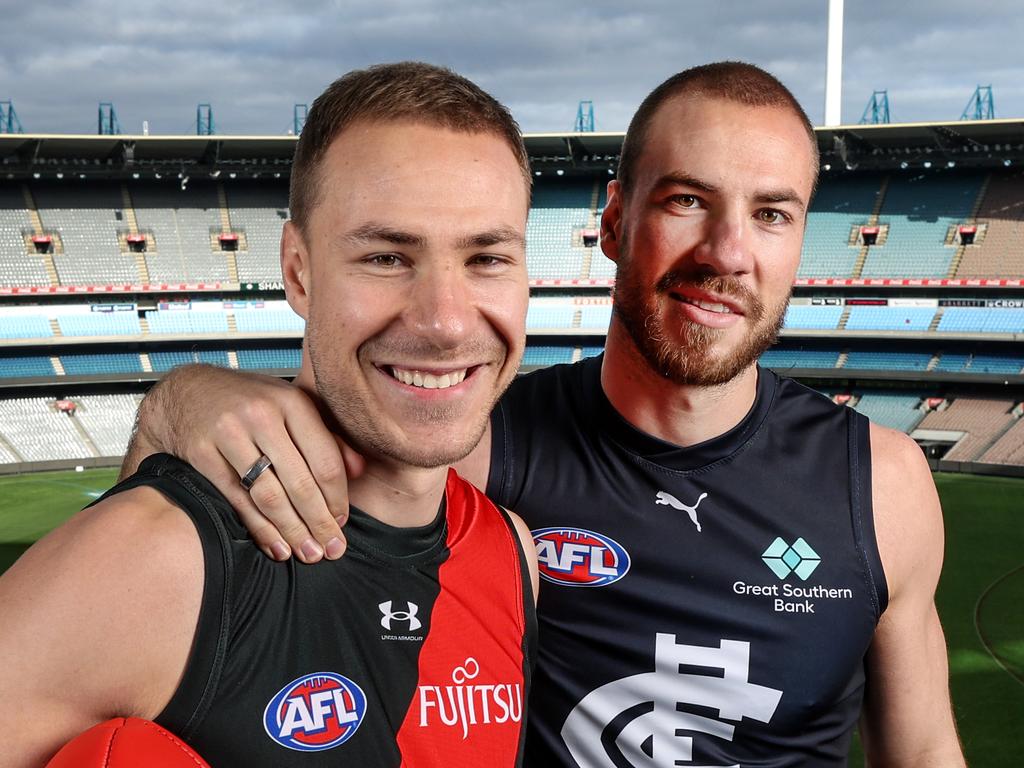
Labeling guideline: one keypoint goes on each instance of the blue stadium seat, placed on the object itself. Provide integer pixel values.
(25, 367)
(165, 361)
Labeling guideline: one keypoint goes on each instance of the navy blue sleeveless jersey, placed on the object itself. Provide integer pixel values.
(705, 606)
(415, 649)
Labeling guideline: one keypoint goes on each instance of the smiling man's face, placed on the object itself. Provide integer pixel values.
(412, 279)
(707, 241)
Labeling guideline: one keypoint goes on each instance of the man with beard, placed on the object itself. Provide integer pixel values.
(405, 254)
(736, 568)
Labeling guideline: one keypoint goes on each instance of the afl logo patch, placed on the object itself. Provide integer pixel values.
(315, 712)
(575, 557)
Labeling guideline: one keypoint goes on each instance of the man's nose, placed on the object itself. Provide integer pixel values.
(441, 306)
(725, 248)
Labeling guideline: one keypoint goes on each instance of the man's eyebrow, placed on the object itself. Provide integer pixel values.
(784, 195)
(372, 232)
(497, 236)
(677, 179)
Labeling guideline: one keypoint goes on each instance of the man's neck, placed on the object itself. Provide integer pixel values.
(684, 415)
(398, 495)
(395, 493)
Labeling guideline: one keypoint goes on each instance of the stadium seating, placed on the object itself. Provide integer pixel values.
(546, 355)
(100, 324)
(87, 216)
(268, 321)
(93, 364)
(108, 420)
(181, 222)
(25, 327)
(595, 317)
(1009, 448)
(807, 317)
(872, 360)
(889, 318)
(165, 361)
(17, 266)
(270, 359)
(545, 316)
(838, 207)
(558, 209)
(896, 411)
(919, 211)
(40, 433)
(981, 320)
(981, 419)
(258, 209)
(25, 367)
(186, 322)
(1001, 250)
(786, 359)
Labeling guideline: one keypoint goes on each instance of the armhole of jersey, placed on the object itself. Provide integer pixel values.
(862, 510)
(198, 686)
(530, 630)
(501, 459)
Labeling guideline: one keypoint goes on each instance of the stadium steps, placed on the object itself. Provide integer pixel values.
(842, 320)
(147, 364)
(58, 366)
(934, 325)
(843, 357)
(588, 253)
(232, 323)
(997, 436)
(225, 214)
(144, 325)
(862, 257)
(933, 362)
(141, 266)
(954, 265)
(33, 212)
(37, 229)
(129, 211)
(55, 327)
(85, 436)
(232, 359)
(6, 445)
(232, 266)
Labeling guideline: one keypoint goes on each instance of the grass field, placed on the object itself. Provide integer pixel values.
(980, 596)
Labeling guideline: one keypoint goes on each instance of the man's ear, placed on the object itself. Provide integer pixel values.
(296, 268)
(611, 222)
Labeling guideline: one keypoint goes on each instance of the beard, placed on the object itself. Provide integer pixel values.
(374, 429)
(682, 351)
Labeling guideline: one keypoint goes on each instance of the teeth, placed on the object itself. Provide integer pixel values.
(709, 306)
(429, 380)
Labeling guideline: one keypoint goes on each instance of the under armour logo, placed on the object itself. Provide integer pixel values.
(607, 728)
(407, 615)
(670, 500)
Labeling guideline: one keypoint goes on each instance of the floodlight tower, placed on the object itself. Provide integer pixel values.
(107, 124)
(204, 120)
(9, 122)
(834, 64)
(877, 110)
(299, 113)
(981, 105)
(585, 117)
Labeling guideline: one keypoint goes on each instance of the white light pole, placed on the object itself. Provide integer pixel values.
(834, 64)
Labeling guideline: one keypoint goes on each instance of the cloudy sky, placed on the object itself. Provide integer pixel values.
(252, 60)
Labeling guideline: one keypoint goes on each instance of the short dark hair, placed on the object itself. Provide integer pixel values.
(729, 80)
(413, 91)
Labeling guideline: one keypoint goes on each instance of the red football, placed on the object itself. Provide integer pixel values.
(126, 742)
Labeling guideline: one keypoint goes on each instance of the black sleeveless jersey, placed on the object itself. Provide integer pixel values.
(704, 606)
(415, 649)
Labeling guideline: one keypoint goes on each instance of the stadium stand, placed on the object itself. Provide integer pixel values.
(25, 327)
(897, 411)
(18, 266)
(25, 367)
(268, 321)
(838, 207)
(890, 318)
(100, 324)
(881, 360)
(1000, 252)
(558, 211)
(257, 210)
(186, 322)
(38, 432)
(92, 364)
(540, 355)
(919, 212)
(549, 317)
(981, 320)
(804, 317)
(785, 359)
(87, 219)
(980, 419)
(183, 224)
(270, 359)
(107, 420)
(165, 361)
(1008, 449)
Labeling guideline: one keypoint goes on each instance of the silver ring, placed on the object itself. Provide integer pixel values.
(261, 465)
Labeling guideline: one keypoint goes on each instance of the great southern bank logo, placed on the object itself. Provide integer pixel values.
(315, 712)
(784, 559)
(575, 557)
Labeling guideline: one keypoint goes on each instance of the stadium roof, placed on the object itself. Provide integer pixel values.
(983, 143)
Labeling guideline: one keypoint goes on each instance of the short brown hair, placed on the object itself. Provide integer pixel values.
(730, 80)
(409, 90)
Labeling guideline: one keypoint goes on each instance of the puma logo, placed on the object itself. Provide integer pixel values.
(669, 500)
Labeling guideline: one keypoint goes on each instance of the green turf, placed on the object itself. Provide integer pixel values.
(32, 505)
(983, 577)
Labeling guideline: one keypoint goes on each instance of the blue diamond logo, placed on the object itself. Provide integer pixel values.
(783, 559)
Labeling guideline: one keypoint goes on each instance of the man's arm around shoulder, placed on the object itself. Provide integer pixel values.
(908, 720)
(97, 621)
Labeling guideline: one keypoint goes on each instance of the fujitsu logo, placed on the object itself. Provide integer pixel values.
(407, 615)
(465, 704)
